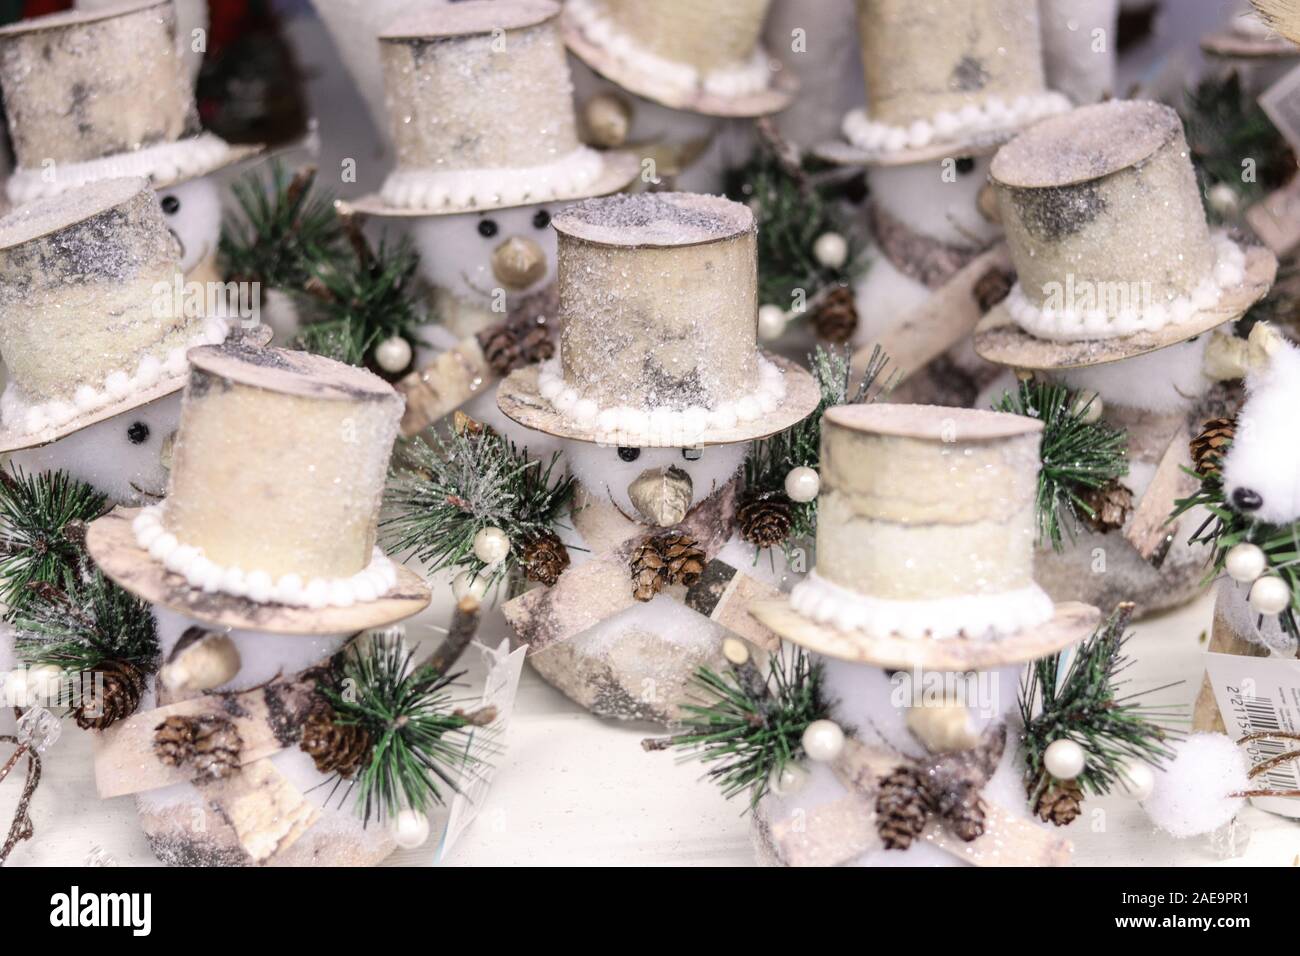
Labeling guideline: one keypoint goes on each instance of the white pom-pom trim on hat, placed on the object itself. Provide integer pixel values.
(439, 189)
(1193, 791)
(994, 115)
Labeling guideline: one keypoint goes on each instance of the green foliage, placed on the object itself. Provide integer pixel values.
(284, 231)
(41, 516)
(83, 624)
(419, 743)
(771, 459)
(749, 731)
(1076, 454)
(1084, 701)
(446, 489)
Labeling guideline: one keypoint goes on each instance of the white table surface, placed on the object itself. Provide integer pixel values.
(571, 789)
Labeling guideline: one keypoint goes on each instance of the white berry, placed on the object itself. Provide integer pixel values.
(1222, 198)
(393, 354)
(802, 484)
(1245, 562)
(788, 780)
(491, 545)
(831, 250)
(468, 584)
(771, 322)
(823, 740)
(409, 829)
(1137, 780)
(1063, 759)
(1270, 595)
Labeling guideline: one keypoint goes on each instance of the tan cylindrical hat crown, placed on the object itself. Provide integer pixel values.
(81, 86)
(704, 36)
(280, 462)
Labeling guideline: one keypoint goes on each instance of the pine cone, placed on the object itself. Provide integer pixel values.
(992, 287)
(208, 745)
(545, 557)
(123, 685)
(684, 557)
(1209, 446)
(902, 804)
(1110, 504)
(836, 318)
(649, 571)
(334, 747)
(508, 347)
(764, 519)
(962, 811)
(1060, 802)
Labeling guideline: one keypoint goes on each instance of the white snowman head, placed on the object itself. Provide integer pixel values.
(192, 211)
(939, 199)
(1261, 471)
(125, 457)
(653, 486)
(479, 257)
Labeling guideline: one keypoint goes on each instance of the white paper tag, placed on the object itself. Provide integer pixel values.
(487, 744)
(1261, 695)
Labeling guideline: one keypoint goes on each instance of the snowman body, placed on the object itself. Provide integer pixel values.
(192, 211)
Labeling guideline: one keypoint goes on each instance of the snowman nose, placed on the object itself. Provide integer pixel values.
(518, 262)
(987, 200)
(661, 496)
(165, 453)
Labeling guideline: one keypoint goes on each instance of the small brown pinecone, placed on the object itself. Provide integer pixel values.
(902, 804)
(334, 747)
(649, 571)
(962, 811)
(123, 685)
(208, 745)
(836, 318)
(545, 557)
(1110, 504)
(764, 519)
(684, 557)
(1059, 802)
(992, 287)
(1209, 446)
(512, 346)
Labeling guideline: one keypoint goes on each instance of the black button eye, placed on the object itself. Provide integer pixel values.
(966, 165)
(171, 205)
(487, 228)
(1246, 499)
(138, 433)
(692, 454)
(629, 454)
(542, 219)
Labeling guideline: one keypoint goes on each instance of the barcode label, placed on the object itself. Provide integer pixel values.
(1261, 695)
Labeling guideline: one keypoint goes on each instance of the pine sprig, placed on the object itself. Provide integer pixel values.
(40, 517)
(419, 744)
(1076, 454)
(364, 299)
(284, 230)
(771, 459)
(748, 729)
(1084, 702)
(447, 489)
(85, 624)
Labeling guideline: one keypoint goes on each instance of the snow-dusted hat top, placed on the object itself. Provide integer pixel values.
(272, 508)
(1246, 37)
(480, 105)
(99, 94)
(90, 325)
(925, 543)
(944, 78)
(1108, 235)
(658, 330)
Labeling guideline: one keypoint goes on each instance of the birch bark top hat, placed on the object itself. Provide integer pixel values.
(90, 323)
(271, 516)
(658, 330)
(480, 104)
(944, 78)
(1107, 232)
(925, 544)
(699, 57)
(100, 94)
(1247, 36)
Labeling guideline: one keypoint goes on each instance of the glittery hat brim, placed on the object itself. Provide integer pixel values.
(1000, 340)
(112, 546)
(775, 98)
(519, 399)
(1069, 625)
(13, 440)
(236, 154)
(1230, 45)
(843, 153)
(619, 170)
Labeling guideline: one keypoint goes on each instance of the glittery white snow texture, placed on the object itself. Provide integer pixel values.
(1192, 793)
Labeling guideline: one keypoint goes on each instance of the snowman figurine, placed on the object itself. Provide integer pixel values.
(672, 82)
(656, 392)
(480, 214)
(58, 149)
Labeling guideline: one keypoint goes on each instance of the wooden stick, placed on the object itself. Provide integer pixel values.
(464, 625)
